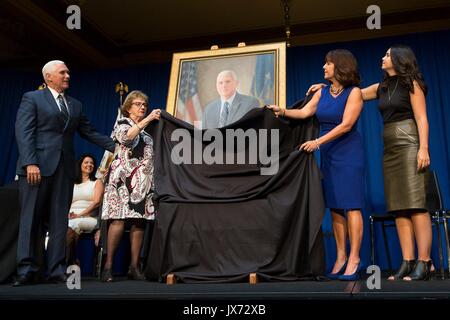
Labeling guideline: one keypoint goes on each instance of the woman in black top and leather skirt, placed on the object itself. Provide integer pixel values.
(406, 159)
(401, 97)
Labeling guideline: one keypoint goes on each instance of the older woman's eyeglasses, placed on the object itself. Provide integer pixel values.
(140, 104)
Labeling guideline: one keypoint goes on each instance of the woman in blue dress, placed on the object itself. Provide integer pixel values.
(337, 107)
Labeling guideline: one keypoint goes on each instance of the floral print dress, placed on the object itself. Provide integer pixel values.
(129, 181)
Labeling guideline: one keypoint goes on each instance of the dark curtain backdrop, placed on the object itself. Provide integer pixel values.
(95, 88)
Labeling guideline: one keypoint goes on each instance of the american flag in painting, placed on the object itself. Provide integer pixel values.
(263, 82)
(188, 104)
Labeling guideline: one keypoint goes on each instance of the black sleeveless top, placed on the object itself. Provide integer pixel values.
(394, 101)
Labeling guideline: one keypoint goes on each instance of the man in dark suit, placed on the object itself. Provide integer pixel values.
(231, 106)
(45, 126)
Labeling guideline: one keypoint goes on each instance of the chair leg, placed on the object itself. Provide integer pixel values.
(372, 242)
(386, 247)
(171, 279)
(99, 266)
(253, 278)
(441, 257)
(95, 260)
(447, 242)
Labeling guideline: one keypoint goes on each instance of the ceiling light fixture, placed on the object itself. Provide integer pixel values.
(287, 25)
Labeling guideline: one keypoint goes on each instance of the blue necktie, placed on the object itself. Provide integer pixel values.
(63, 108)
(224, 114)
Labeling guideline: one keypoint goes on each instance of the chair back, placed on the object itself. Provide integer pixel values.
(434, 198)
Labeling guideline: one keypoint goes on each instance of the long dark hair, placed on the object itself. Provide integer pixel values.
(79, 178)
(345, 67)
(406, 66)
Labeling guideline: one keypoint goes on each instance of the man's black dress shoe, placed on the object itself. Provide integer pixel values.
(57, 279)
(24, 280)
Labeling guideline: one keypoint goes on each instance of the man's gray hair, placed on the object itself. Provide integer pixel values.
(227, 72)
(49, 67)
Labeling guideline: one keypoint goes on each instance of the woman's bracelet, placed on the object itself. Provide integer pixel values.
(317, 143)
(140, 129)
(284, 111)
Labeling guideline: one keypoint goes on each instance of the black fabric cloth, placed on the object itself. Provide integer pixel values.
(220, 222)
(9, 228)
(394, 101)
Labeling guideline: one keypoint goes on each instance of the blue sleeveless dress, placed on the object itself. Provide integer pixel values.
(342, 160)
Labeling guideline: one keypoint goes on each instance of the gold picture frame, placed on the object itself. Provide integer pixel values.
(260, 70)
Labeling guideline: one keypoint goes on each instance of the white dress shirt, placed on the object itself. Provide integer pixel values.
(55, 95)
(230, 102)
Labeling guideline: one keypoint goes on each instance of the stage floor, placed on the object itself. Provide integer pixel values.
(123, 289)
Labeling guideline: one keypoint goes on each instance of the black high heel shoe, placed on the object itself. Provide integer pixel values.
(135, 274)
(422, 271)
(405, 269)
(107, 275)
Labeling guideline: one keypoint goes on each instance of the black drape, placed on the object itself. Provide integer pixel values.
(9, 228)
(221, 222)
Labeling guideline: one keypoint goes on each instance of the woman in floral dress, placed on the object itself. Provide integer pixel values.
(129, 182)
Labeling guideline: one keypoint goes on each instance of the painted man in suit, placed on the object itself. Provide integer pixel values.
(45, 126)
(231, 106)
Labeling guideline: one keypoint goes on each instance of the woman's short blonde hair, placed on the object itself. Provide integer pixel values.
(129, 100)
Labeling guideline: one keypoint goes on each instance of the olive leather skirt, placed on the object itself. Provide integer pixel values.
(404, 186)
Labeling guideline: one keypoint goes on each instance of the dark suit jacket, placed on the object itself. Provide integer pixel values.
(43, 138)
(241, 105)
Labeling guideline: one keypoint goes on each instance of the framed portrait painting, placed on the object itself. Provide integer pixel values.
(212, 88)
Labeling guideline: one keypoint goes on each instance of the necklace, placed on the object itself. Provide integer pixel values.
(334, 91)
(389, 93)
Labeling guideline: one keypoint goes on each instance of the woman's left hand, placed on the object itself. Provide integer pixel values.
(309, 146)
(423, 159)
